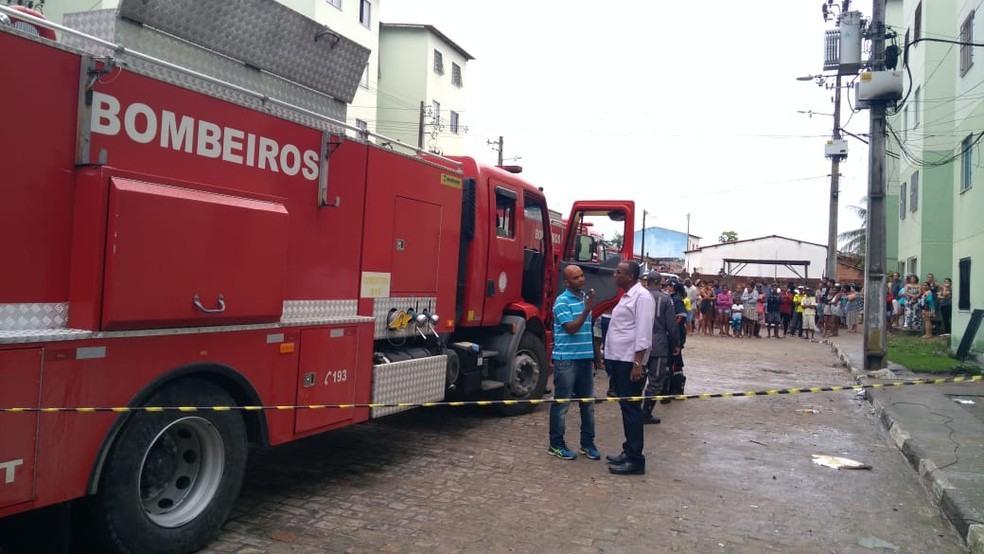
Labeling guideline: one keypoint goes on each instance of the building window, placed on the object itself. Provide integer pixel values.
(454, 122)
(436, 112)
(902, 192)
(364, 82)
(966, 50)
(967, 163)
(915, 108)
(438, 62)
(455, 74)
(363, 129)
(365, 13)
(336, 3)
(912, 266)
(914, 192)
(963, 285)
(917, 23)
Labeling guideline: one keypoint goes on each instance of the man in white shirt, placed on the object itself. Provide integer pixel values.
(627, 346)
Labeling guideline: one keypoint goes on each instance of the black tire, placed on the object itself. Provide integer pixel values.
(172, 478)
(528, 371)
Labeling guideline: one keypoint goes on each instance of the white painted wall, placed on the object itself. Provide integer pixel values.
(710, 259)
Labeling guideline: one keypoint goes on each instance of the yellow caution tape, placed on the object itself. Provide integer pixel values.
(464, 403)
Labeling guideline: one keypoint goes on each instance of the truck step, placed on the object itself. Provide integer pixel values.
(489, 353)
(488, 384)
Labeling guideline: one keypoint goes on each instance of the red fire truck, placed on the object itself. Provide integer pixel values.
(173, 240)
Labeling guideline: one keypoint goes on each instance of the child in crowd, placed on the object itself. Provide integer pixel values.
(736, 317)
(809, 304)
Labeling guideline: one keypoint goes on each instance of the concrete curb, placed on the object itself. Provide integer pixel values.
(947, 498)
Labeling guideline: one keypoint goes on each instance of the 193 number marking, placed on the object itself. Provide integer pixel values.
(338, 376)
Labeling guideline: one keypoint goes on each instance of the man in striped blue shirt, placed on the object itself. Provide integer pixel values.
(573, 360)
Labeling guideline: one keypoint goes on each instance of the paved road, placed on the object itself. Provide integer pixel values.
(724, 475)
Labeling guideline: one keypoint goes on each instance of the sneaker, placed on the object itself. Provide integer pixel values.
(561, 452)
(590, 452)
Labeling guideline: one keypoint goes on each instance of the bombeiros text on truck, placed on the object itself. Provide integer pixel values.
(178, 239)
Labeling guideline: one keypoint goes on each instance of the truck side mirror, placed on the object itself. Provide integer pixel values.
(585, 248)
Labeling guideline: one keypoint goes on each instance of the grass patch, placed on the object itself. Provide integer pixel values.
(926, 355)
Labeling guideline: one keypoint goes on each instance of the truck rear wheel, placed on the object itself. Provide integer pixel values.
(527, 375)
(171, 478)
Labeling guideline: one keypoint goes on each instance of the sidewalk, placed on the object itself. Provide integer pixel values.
(943, 440)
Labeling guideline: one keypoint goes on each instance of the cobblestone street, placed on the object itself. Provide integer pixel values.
(723, 475)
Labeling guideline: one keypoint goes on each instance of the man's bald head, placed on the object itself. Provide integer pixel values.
(573, 277)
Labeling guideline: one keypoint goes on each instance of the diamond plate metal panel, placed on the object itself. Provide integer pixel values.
(105, 25)
(381, 308)
(264, 34)
(318, 309)
(43, 335)
(98, 23)
(420, 380)
(26, 317)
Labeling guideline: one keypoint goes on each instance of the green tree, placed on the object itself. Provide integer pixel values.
(616, 241)
(728, 236)
(855, 240)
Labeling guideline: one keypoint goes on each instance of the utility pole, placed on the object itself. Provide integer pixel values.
(643, 258)
(835, 160)
(420, 127)
(875, 339)
(497, 146)
(687, 247)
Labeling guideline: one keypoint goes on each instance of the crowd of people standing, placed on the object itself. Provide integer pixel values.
(914, 306)
(752, 308)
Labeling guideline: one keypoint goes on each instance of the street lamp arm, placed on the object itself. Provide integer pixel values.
(852, 135)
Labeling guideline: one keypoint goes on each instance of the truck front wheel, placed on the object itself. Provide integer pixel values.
(171, 478)
(527, 375)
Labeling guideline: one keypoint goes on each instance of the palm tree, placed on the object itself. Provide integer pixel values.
(854, 241)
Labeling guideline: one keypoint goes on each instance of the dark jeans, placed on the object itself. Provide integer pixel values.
(572, 377)
(797, 324)
(631, 410)
(946, 312)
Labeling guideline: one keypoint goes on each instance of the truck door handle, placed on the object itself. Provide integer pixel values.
(219, 310)
(490, 288)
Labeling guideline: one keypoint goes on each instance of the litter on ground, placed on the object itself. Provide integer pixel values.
(837, 462)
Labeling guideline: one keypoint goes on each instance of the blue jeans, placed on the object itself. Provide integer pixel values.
(572, 379)
(631, 410)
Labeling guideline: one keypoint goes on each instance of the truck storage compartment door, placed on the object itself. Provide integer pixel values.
(20, 385)
(328, 375)
(417, 244)
(180, 257)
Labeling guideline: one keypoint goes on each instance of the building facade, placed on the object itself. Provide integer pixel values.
(422, 94)
(934, 152)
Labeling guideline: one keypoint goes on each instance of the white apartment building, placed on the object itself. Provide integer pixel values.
(420, 67)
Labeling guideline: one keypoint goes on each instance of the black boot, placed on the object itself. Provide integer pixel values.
(647, 413)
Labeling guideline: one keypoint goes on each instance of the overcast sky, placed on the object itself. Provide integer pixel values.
(682, 106)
